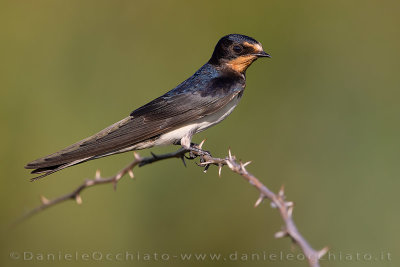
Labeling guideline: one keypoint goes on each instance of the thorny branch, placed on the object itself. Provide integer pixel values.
(277, 200)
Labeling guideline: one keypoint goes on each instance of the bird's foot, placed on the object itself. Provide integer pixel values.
(195, 151)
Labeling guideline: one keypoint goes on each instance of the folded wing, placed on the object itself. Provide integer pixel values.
(161, 115)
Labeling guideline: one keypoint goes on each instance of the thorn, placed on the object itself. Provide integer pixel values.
(205, 163)
(230, 153)
(202, 143)
(280, 234)
(118, 177)
(97, 175)
(44, 200)
(183, 160)
(220, 170)
(91, 182)
(289, 204)
(115, 185)
(137, 157)
(322, 252)
(259, 200)
(247, 163)
(154, 155)
(130, 172)
(229, 163)
(290, 211)
(242, 167)
(78, 199)
(282, 192)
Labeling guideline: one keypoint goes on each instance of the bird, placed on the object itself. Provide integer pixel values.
(201, 101)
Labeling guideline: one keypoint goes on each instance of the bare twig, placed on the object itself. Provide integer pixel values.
(277, 200)
(75, 195)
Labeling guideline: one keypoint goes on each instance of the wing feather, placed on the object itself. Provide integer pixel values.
(151, 120)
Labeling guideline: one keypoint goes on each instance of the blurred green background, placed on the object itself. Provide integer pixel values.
(320, 117)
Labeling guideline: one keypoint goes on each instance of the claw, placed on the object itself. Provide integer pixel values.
(192, 155)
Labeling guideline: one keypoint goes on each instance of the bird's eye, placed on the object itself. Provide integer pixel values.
(237, 48)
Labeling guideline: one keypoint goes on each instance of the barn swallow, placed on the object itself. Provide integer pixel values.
(201, 101)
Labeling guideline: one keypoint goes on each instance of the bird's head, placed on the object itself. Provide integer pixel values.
(236, 52)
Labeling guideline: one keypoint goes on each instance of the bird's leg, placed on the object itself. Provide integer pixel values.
(195, 150)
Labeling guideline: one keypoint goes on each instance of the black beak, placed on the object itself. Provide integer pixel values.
(263, 54)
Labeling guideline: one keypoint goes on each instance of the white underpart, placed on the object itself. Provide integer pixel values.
(185, 133)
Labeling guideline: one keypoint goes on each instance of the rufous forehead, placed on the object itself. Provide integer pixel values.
(255, 47)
